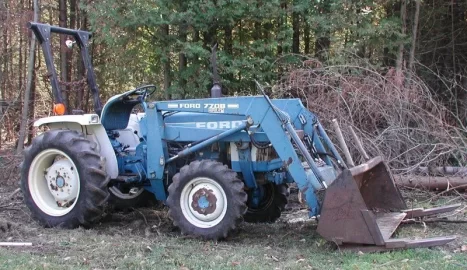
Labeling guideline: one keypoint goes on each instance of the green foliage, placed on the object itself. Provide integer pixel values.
(254, 37)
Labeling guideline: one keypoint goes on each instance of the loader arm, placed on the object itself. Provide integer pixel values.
(261, 113)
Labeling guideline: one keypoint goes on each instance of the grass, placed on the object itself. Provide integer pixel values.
(270, 246)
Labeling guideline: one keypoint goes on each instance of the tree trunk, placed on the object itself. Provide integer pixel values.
(63, 52)
(306, 33)
(2, 62)
(296, 32)
(228, 43)
(414, 35)
(280, 22)
(228, 48)
(432, 182)
(32, 100)
(81, 23)
(414, 41)
(323, 42)
(20, 57)
(182, 63)
(69, 56)
(27, 93)
(166, 61)
(400, 55)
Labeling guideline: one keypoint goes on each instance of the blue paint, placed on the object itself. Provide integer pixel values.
(256, 196)
(203, 202)
(278, 178)
(260, 166)
(244, 155)
(207, 133)
(156, 152)
(208, 142)
(60, 182)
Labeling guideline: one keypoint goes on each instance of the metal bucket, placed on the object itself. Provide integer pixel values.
(363, 206)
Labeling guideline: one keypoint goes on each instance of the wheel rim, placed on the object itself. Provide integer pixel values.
(54, 182)
(125, 195)
(203, 202)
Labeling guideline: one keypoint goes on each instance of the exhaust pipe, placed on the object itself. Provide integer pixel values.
(216, 90)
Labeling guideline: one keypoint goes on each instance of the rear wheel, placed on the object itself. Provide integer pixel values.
(206, 199)
(63, 179)
(271, 206)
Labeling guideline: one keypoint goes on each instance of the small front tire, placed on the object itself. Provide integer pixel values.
(206, 199)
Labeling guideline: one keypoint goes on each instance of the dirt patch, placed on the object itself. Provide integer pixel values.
(9, 168)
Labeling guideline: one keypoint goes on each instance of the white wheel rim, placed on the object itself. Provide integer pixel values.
(125, 196)
(203, 202)
(54, 182)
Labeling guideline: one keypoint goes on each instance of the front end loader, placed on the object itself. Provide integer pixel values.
(214, 162)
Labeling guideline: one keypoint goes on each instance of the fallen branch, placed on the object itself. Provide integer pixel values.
(432, 182)
(433, 220)
(15, 244)
(14, 193)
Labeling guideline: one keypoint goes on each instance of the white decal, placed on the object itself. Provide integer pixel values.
(216, 110)
(218, 125)
(233, 106)
(190, 106)
(214, 106)
(172, 106)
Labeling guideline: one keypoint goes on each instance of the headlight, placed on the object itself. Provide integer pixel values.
(94, 119)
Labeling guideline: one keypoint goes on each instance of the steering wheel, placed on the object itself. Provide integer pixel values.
(143, 90)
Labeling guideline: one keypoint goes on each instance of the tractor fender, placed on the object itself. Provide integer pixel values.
(88, 124)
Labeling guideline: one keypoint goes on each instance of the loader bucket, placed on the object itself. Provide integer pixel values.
(363, 206)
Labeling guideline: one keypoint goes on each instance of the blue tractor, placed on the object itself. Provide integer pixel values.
(214, 162)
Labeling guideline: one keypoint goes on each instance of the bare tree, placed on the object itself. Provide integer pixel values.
(400, 55)
(27, 93)
(414, 35)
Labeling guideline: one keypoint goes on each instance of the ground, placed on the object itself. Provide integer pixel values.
(146, 239)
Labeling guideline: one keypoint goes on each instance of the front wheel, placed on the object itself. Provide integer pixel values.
(206, 199)
(63, 179)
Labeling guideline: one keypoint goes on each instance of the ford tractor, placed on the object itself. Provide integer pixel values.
(214, 162)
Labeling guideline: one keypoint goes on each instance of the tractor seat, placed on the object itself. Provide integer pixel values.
(116, 112)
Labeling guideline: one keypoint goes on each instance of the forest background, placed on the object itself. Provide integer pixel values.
(395, 70)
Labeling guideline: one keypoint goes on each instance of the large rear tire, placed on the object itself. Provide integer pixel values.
(271, 206)
(206, 199)
(63, 179)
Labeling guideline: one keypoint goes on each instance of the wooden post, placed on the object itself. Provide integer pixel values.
(342, 143)
(359, 144)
